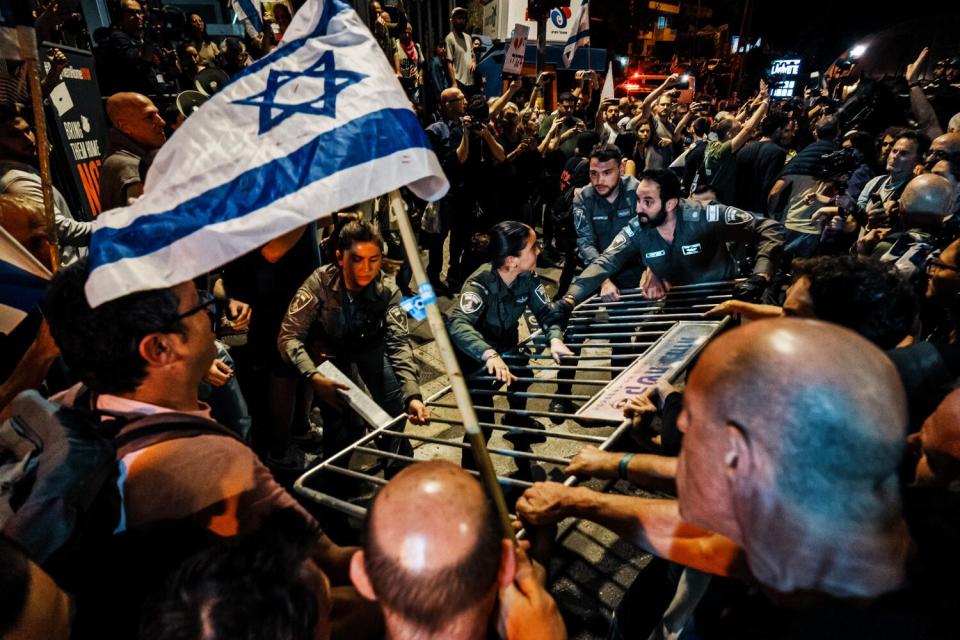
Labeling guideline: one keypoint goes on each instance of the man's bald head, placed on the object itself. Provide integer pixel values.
(937, 445)
(136, 116)
(795, 424)
(948, 143)
(926, 200)
(433, 549)
(453, 102)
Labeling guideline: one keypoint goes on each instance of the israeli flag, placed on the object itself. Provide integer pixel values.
(248, 10)
(580, 36)
(22, 282)
(320, 124)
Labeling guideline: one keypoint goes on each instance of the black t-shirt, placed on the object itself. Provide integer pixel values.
(909, 613)
(269, 287)
(758, 165)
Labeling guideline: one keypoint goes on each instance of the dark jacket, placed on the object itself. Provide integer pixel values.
(345, 327)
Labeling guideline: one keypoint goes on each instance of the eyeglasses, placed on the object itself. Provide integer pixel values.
(207, 303)
(935, 264)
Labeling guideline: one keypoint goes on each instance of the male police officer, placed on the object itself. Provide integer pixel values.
(356, 320)
(601, 210)
(680, 242)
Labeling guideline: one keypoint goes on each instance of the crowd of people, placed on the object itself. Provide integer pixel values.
(813, 455)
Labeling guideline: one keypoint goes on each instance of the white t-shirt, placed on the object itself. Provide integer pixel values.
(460, 52)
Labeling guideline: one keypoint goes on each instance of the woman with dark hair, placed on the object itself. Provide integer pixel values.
(483, 322)
(196, 32)
(347, 313)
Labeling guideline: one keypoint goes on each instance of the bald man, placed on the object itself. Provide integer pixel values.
(926, 202)
(943, 160)
(434, 560)
(452, 148)
(793, 482)
(137, 130)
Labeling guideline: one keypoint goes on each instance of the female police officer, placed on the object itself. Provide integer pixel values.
(353, 317)
(484, 320)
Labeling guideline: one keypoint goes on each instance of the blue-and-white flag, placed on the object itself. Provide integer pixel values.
(22, 282)
(18, 38)
(320, 124)
(248, 10)
(580, 36)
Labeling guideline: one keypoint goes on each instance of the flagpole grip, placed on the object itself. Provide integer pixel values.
(460, 392)
(43, 156)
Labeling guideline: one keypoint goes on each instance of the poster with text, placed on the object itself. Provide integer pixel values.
(77, 127)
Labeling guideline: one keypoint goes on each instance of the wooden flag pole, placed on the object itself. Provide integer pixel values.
(43, 155)
(439, 330)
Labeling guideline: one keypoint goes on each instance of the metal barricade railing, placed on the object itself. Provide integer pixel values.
(619, 333)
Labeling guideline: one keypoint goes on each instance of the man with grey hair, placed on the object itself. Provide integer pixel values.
(792, 482)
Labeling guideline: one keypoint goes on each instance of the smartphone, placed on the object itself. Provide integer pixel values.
(684, 82)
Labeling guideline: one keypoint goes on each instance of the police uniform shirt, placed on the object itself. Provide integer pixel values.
(698, 252)
(348, 326)
(598, 221)
(487, 311)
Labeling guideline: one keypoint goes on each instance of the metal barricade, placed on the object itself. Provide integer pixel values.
(632, 343)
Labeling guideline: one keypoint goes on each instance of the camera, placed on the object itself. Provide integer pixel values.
(684, 82)
(479, 112)
(836, 165)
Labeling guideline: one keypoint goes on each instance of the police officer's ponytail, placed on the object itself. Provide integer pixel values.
(504, 239)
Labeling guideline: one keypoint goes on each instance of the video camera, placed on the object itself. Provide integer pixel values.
(479, 113)
(838, 165)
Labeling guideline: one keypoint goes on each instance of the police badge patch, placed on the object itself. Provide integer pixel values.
(398, 317)
(579, 220)
(300, 301)
(541, 294)
(618, 241)
(470, 302)
(737, 216)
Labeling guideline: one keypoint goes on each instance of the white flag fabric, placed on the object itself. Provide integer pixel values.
(607, 92)
(18, 38)
(320, 124)
(580, 36)
(22, 282)
(248, 10)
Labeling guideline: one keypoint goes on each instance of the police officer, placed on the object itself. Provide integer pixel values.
(483, 322)
(353, 317)
(679, 242)
(602, 209)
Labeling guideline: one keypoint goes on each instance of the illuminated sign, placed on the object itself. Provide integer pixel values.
(785, 67)
(783, 73)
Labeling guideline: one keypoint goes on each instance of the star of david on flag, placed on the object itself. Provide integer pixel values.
(318, 125)
(273, 111)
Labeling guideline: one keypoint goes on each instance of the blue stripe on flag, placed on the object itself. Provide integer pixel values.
(18, 288)
(251, 13)
(374, 135)
(574, 38)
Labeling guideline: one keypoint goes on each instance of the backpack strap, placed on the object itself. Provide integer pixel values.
(128, 428)
(168, 426)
